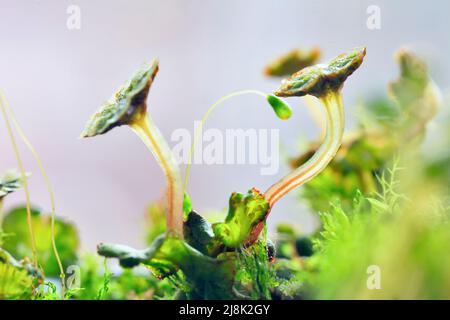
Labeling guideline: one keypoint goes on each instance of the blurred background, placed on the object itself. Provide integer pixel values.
(55, 78)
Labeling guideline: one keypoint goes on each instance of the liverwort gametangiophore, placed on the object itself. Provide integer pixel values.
(219, 245)
(325, 82)
(129, 107)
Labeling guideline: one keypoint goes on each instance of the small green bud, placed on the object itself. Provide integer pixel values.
(281, 108)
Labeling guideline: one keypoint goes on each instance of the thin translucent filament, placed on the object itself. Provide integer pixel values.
(47, 184)
(205, 117)
(24, 181)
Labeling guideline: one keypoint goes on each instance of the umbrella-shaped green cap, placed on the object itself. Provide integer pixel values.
(318, 79)
(127, 105)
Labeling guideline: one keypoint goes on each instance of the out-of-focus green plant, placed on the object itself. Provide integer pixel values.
(15, 283)
(156, 221)
(292, 62)
(92, 277)
(10, 118)
(387, 127)
(401, 237)
(97, 282)
(17, 278)
(18, 242)
(48, 291)
(290, 244)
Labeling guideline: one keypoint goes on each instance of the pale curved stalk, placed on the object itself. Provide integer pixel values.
(153, 139)
(312, 105)
(205, 117)
(25, 182)
(318, 162)
(48, 184)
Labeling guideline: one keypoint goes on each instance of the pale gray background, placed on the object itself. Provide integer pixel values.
(55, 78)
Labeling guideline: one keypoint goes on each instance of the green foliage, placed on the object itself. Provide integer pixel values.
(19, 244)
(156, 221)
(97, 282)
(103, 291)
(187, 205)
(48, 291)
(24, 264)
(255, 276)
(245, 212)
(168, 254)
(3, 236)
(187, 264)
(289, 283)
(405, 239)
(290, 244)
(136, 286)
(15, 283)
(91, 278)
